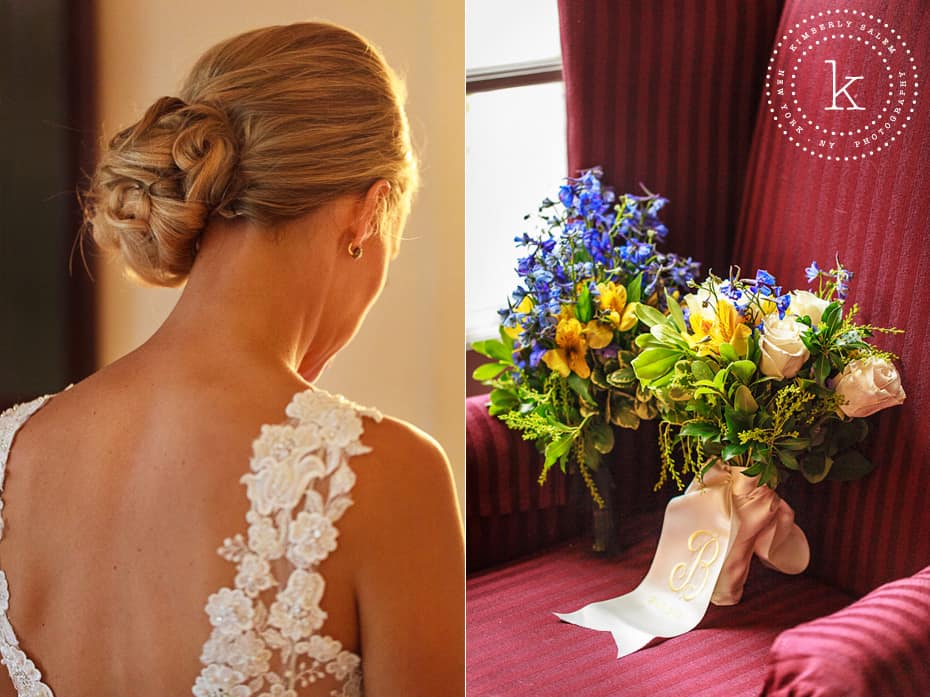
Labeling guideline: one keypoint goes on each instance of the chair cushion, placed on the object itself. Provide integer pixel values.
(877, 645)
(509, 514)
(517, 647)
(874, 213)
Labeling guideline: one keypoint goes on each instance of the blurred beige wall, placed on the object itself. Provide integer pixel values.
(408, 360)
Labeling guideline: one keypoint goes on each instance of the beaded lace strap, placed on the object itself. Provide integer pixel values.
(266, 636)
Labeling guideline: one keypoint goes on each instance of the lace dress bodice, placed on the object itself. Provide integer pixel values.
(266, 638)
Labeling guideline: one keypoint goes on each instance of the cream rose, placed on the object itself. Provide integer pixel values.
(783, 352)
(805, 303)
(869, 385)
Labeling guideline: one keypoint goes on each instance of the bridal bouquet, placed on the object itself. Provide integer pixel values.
(562, 369)
(770, 381)
(751, 383)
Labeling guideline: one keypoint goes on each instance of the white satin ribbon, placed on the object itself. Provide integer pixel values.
(708, 538)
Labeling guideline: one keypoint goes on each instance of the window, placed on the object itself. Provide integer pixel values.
(515, 142)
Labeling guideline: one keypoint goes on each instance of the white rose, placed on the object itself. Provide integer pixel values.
(804, 303)
(783, 352)
(869, 385)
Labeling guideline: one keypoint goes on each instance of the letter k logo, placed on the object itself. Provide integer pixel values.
(843, 90)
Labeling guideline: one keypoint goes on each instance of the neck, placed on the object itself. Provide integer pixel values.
(241, 307)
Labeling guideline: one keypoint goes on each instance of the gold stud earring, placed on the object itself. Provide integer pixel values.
(355, 252)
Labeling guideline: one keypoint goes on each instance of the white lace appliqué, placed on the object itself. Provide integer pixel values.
(299, 486)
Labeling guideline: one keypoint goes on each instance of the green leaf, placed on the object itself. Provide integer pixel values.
(582, 388)
(506, 340)
(847, 434)
(583, 308)
(601, 435)
(488, 371)
(674, 311)
(710, 391)
(822, 369)
(737, 422)
(557, 449)
(492, 348)
(592, 458)
(649, 315)
(832, 316)
(504, 397)
(624, 377)
(732, 450)
(701, 370)
(625, 418)
(850, 465)
(679, 393)
(653, 363)
(644, 340)
(700, 429)
(788, 459)
(744, 401)
(744, 370)
(728, 352)
(815, 467)
(667, 335)
(634, 289)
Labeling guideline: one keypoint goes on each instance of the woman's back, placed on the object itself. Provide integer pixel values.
(285, 156)
(117, 495)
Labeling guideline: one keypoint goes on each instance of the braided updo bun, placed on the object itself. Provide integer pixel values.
(269, 125)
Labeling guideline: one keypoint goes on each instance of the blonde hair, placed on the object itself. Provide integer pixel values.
(269, 125)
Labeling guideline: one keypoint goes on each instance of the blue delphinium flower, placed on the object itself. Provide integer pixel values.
(536, 355)
(782, 302)
(728, 290)
(764, 278)
(843, 277)
(812, 272)
(591, 237)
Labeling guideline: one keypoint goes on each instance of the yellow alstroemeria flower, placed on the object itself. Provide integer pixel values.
(572, 348)
(613, 299)
(525, 306)
(714, 323)
(598, 335)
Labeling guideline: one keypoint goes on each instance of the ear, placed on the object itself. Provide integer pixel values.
(368, 212)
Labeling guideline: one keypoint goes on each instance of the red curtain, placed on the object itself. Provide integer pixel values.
(665, 93)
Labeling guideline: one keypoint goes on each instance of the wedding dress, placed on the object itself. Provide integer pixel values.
(266, 635)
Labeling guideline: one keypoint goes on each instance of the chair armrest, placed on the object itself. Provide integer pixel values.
(876, 646)
(508, 514)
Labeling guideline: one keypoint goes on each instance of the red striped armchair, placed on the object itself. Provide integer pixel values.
(684, 97)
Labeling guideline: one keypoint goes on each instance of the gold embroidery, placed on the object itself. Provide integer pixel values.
(706, 548)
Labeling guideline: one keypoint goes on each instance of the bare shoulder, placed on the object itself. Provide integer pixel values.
(404, 493)
(407, 539)
(401, 450)
(405, 467)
